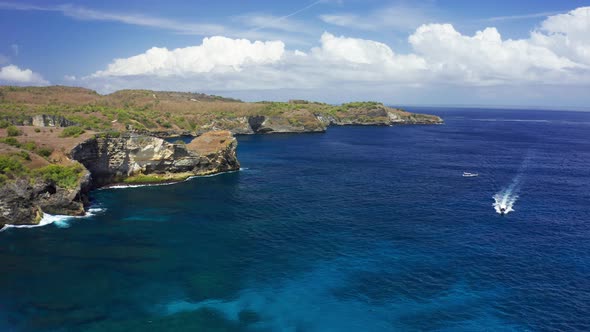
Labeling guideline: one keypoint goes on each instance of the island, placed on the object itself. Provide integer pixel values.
(57, 143)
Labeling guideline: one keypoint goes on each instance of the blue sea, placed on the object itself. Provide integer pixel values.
(357, 229)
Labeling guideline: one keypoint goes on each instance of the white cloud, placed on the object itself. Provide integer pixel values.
(485, 58)
(83, 13)
(566, 34)
(400, 17)
(520, 17)
(215, 54)
(441, 56)
(13, 74)
(249, 26)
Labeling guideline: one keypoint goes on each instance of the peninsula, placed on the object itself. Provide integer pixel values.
(57, 143)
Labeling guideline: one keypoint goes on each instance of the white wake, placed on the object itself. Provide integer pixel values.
(505, 199)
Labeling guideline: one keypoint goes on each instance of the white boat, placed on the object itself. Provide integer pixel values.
(469, 175)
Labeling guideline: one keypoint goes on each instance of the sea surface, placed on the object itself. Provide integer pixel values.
(357, 229)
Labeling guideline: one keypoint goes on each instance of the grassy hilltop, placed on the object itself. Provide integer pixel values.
(39, 126)
(177, 111)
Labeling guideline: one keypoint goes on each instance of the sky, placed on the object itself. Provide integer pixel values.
(431, 52)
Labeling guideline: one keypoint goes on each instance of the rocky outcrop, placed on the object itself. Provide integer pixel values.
(40, 120)
(304, 121)
(299, 121)
(44, 120)
(377, 115)
(24, 200)
(113, 159)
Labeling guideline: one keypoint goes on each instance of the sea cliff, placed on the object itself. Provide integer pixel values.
(62, 187)
(57, 143)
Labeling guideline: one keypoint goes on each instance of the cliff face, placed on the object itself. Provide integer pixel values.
(114, 159)
(40, 120)
(109, 160)
(24, 200)
(304, 121)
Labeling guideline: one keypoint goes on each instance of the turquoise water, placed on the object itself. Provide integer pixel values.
(358, 229)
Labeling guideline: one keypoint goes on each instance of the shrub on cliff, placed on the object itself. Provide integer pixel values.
(10, 167)
(4, 123)
(44, 152)
(73, 131)
(13, 131)
(63, 176)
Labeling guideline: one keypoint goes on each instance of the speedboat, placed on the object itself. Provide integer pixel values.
(469, 175)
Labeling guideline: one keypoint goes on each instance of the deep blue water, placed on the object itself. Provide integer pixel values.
(358, 229)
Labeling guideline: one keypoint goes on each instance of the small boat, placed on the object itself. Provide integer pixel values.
(469, 175)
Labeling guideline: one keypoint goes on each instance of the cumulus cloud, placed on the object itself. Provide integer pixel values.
(219, 54)
(567, 35)
(485, 57)
(14, 75)
(556, 53)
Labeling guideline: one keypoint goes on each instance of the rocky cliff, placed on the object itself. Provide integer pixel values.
(118, 159)
(39, 120)
(23, 201)
(306, 121)
(105, 160)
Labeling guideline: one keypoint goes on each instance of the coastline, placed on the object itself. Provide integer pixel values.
(49, 219)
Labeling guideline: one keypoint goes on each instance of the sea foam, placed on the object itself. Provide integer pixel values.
(60, 221)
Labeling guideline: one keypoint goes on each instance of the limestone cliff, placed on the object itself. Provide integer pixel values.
(306, 121)
(23, 201)
(115, 159)
(105, 160)
(39, 120)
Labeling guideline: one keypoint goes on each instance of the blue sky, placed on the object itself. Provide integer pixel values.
(533, 52)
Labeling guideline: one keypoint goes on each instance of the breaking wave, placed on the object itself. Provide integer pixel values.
(60, 221)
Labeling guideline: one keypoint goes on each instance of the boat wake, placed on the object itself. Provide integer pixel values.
(505, 199)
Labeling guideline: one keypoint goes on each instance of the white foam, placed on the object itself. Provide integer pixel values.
(505, 199)
(125, 186)
(60, 221)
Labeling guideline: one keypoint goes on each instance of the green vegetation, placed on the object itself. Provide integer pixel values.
(44, 152)
(10, 141)
(361, 104)
(13, 131)
(110, 133)
(62, 176)
(73, 131)
(155, 178)
(4, 124)
(10, 165)
(30, 146)
(144, 110)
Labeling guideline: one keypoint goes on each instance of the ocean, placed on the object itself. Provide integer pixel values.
(357, 229)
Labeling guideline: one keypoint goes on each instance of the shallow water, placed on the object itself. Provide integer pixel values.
(358, 229)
